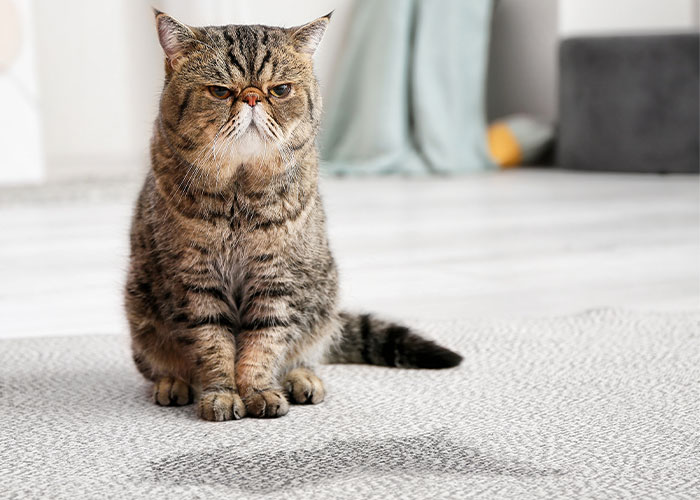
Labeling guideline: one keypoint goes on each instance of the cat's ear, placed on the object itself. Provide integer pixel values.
(175, 38)
(307, 37)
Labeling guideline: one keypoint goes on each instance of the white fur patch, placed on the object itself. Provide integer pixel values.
(253, 144)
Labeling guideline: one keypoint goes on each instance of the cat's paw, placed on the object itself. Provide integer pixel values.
(267, 404)
(304, 387)
(170, 391)
(218, 406)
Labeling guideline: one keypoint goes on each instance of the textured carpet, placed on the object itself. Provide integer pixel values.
(605, 404)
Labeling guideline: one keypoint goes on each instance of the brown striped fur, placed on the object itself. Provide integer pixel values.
(231, 289)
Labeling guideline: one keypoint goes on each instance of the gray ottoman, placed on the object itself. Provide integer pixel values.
(630, 103)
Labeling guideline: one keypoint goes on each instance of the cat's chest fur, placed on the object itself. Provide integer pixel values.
(227, 271)
(237, 241)
(229, 247)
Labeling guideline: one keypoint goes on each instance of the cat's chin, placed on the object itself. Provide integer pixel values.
(252, 147)
(252, 152)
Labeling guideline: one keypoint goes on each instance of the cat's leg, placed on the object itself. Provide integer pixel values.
(194, 345)
(142, 363)
(214, 353)
(256, 374)
(201, 353)
(279, 331)
(203, 340)
(167, 390)
(304, 387)
(262, 347)
(287, 317)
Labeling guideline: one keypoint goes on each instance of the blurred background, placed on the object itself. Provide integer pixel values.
(577, 89)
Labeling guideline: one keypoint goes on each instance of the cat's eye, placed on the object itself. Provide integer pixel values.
(280, 90)
(219, 92)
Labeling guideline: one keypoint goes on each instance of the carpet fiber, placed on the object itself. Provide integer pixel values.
(604, 404)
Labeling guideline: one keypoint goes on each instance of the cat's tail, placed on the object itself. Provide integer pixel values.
(368, 340)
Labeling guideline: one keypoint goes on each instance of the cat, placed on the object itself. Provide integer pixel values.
(231, 289)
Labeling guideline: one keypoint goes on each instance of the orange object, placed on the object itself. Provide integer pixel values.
(503, 146)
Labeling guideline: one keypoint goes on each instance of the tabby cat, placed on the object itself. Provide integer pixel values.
(231, 289)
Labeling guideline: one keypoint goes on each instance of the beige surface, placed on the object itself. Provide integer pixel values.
(504, 245)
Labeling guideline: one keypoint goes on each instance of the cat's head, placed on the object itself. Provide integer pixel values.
(239, 95)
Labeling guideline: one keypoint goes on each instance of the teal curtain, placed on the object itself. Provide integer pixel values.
(408, 94)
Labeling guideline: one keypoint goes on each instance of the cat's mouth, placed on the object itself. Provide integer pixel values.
(258, 130)
(254, 131)
(252, 142)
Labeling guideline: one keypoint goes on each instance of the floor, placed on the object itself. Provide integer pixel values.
(508, 244)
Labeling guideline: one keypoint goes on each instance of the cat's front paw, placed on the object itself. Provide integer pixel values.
(267, 404)
(170, 391)
(304, 387)
(218, 406)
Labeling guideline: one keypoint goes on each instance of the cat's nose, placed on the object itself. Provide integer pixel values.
(252, 97)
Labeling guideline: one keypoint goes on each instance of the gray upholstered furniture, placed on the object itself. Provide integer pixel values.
(630, 103)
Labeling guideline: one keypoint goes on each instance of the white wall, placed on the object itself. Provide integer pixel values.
(590, 17)
(21, 156)
(83, 60)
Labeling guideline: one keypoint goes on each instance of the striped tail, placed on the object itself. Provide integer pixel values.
(372, 341)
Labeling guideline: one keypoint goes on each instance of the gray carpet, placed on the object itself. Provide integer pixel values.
(605, 404)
